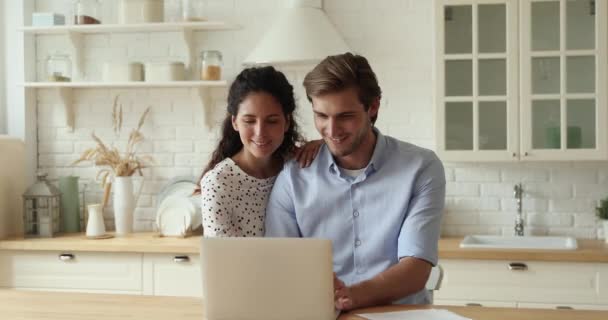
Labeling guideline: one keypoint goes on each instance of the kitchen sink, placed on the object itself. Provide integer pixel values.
(516, 242)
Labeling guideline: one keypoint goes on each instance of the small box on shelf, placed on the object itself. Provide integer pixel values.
(47, 19)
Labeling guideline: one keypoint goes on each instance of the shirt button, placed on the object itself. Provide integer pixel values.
(358, 242)
(356, 213)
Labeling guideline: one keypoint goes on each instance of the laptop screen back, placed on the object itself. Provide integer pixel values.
(267, 279)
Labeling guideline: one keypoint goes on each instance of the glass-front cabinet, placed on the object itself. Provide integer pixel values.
(519, 80)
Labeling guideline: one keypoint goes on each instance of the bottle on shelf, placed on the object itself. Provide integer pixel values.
(58, 68)
(211, 65)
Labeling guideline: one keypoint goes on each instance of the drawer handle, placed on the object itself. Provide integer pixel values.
(564, 307)
(181, 259)
(471, 304)
(518, 266)
(66, 257)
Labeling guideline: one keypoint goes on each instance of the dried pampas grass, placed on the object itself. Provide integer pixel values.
(115, 163)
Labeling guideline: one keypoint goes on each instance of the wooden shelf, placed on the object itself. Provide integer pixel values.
(64, 91)
(131, 28)
(75, 34)
(132, 84)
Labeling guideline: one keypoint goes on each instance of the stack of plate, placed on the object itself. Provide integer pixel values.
(179, 212)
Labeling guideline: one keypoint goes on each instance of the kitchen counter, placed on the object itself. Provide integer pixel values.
(35, 305)
(147, 242)
(588, 250)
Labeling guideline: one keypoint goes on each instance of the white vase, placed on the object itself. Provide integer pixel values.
(605, 223)
(95, 224)
(124, 205)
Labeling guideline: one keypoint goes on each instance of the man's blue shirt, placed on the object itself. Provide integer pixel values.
(390, 211)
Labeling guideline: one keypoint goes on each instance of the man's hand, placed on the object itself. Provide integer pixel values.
(343, 298)
(400, 280)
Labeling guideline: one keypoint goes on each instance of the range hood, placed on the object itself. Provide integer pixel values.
(302, 34)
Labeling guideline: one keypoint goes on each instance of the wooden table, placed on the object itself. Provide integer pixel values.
(34, 305)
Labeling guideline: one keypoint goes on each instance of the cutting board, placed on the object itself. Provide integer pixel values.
(12, 186)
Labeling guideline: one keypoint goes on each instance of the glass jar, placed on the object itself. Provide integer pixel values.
(87, 12)
(211, 65)
(58, 68)
(140, 11)
(192, 10)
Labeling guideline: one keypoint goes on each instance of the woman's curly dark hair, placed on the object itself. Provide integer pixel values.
(257, 79)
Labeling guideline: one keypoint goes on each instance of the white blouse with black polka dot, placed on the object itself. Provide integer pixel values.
(233, 202)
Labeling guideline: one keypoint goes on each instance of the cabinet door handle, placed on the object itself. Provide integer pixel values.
(66, 257)
(564, 307)
(472, 304)
(518, 266)
(181, 259)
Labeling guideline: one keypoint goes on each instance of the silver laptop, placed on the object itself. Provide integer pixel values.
(267, 279)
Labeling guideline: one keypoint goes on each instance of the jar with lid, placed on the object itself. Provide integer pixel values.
(58, 67)
(211, 65)
(87, 12)
(192, 10)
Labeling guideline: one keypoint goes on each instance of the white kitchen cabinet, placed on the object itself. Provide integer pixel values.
(521, 80)
(159, 274)
(603, 282)
(72, 271)
(172, 275)
(524, 283)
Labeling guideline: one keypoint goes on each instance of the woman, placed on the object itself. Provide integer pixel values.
(259, 134)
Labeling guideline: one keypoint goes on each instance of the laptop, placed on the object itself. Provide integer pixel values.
(267, 279)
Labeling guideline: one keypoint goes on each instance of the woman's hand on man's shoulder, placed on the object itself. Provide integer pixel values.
(305, 154)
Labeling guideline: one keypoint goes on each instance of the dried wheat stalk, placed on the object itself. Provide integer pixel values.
(115, 163)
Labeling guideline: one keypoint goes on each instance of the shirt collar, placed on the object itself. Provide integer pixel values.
(376, 161)
(379, 155)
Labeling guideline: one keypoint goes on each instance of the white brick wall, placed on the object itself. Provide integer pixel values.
(2, 72)
(397, 38)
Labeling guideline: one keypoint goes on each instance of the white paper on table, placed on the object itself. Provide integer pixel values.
(427, 314)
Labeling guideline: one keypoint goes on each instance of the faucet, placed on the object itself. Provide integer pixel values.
(519, 221)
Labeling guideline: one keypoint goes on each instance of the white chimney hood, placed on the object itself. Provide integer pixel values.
(302, 34)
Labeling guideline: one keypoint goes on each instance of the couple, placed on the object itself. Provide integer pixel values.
(378, 199)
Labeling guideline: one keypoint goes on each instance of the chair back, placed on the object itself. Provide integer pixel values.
(435, 278)
(434, 281)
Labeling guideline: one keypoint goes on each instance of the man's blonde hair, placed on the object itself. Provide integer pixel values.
(340, 72)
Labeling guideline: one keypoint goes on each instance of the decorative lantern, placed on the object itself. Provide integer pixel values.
(41, 209)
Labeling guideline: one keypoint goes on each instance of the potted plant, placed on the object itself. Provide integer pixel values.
(118, 168)
(602, 213)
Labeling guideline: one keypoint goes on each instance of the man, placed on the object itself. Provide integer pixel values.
(378, 199)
